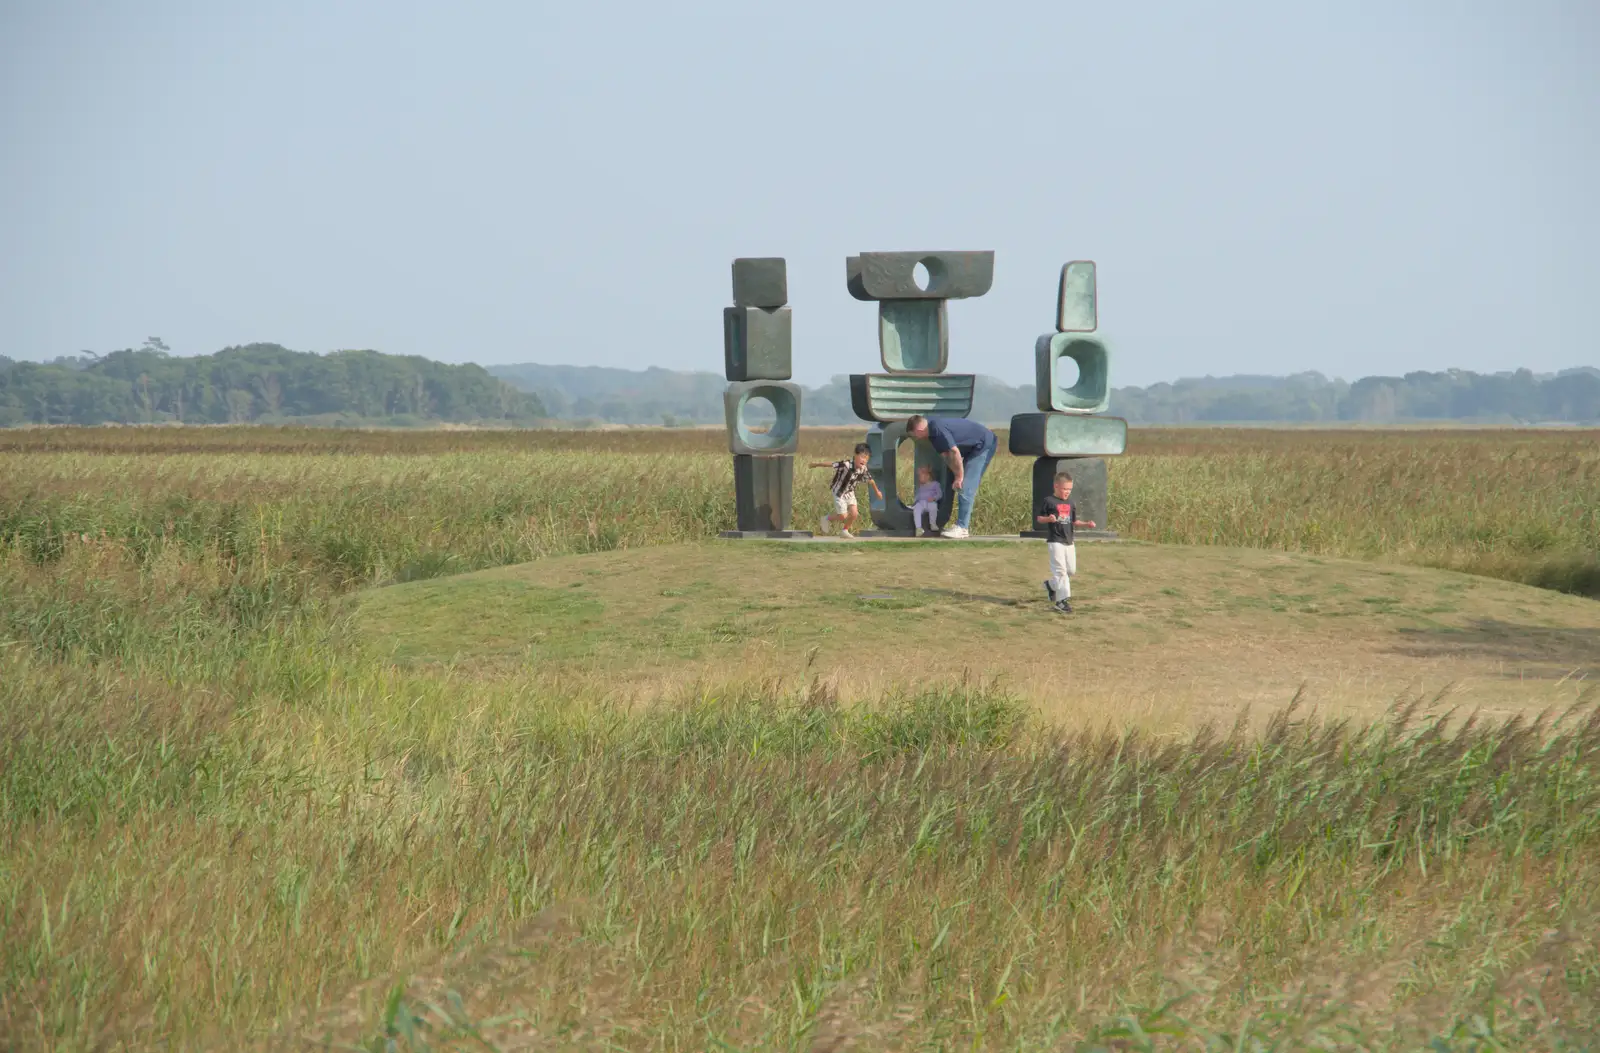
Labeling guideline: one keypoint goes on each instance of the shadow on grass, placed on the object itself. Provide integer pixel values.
(972, 597)
(1536, 650)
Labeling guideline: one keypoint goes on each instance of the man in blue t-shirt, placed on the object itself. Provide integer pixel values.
(967, 447)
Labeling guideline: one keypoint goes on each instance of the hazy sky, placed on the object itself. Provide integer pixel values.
(1267, 187)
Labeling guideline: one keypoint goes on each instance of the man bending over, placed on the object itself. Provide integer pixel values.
(967, 448)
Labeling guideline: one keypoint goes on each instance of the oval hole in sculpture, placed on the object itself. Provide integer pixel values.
(905, 475)
(920, 275)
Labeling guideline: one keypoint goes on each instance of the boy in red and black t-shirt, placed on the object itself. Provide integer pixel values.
(1059, 515)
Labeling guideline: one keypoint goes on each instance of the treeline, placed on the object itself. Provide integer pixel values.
(256, 383)
(659, 396)
(1520, 397)
(266, 383)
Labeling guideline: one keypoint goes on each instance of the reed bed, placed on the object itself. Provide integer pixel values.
(391, 506)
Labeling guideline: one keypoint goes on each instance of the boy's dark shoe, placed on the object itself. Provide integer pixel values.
(1064, 606)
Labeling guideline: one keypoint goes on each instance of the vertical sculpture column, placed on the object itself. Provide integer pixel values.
(1069, 432)
(914, 347)
(757, 361)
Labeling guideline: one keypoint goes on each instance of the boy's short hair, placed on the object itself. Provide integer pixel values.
(862, 447)
(1063, 477)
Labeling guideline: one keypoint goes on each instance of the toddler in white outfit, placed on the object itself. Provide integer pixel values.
(928, 494)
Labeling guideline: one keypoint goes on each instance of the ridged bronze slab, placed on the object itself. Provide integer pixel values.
(888, 397)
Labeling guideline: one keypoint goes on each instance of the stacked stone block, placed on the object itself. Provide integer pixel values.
(914, 349)
(1069, 431)
(758, 363)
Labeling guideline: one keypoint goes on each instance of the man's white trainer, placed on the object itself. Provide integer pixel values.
(955, 532)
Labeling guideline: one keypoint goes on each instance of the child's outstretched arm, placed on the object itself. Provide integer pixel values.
(1084, 523)
(821, 464)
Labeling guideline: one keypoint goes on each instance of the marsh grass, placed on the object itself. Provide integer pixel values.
(1521, 508)
(223, 826)
(397, 506)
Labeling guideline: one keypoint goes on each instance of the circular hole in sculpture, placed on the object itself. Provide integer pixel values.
(759, 415)
(1066, 372)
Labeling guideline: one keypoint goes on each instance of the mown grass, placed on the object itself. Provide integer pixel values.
(223, 826)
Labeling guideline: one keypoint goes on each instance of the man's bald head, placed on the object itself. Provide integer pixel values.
(917, 426)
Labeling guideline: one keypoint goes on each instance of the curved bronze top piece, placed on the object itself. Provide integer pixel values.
(893, 275)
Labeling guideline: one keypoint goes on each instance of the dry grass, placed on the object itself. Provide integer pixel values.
(1164, 637)
(226, 823)
(744, 867)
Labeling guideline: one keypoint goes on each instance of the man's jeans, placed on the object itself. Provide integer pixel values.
(972, 475)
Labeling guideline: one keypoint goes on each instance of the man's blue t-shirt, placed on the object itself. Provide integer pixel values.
(968, 436)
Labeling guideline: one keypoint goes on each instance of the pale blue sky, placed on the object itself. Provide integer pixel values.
(1357, 188)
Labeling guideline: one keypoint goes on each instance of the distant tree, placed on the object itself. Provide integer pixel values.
(243, 384)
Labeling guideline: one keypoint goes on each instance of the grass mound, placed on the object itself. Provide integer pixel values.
(1191, 633)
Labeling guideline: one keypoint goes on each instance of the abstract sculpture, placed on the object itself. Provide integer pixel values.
(914, 347)
(1066, 433)
(1069, 431)
(757, 360)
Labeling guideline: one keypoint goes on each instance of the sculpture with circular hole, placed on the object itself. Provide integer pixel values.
(782, 436)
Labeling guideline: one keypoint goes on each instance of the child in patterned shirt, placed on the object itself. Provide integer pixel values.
(846, 476)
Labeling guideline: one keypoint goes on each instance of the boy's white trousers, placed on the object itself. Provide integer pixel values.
(1063, 565)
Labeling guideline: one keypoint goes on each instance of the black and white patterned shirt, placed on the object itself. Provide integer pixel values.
(846, 477)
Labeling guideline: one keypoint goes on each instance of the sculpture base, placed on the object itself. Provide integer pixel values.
(765, 534)
(1089, 491)
(763, 492)
(1077, 535)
